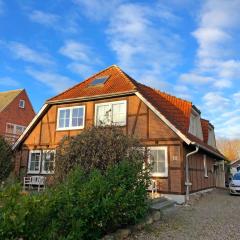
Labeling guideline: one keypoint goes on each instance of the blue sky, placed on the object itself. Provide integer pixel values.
(184, 47)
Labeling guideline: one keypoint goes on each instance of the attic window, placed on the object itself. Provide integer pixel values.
(195, 125)
(211, 137)
(22, 103)
(98, 81)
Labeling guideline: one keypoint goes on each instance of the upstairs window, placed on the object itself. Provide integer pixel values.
(159, 161)
(71, 118)
(22, 103)
(211, 137)
(111, 113)
(195, 127)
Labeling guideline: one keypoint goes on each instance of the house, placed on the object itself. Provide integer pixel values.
(182, 145)
(235, 166)
(16, 112)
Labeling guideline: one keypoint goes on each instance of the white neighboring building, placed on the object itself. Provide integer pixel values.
(235, 166)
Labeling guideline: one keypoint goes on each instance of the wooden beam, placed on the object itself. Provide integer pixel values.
(136, 118)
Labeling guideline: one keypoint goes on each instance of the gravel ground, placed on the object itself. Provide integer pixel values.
(214, 216)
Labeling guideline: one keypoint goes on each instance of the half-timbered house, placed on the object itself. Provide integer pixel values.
(182, 145)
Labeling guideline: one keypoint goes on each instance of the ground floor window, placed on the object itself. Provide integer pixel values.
(34, 161)
(41, 161)
(48, 161)
(159, 161)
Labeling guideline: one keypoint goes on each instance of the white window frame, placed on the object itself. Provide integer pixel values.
(70, 118)
(110, 104)
(23, 103)
(29, 161)
(195, 127)
(15, 128)
(211, 137)
(43, 161)
(157, 174)
(205, 165)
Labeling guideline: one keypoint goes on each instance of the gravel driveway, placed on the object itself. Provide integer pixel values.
(214, 216)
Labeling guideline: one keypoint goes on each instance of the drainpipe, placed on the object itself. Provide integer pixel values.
(187, 182)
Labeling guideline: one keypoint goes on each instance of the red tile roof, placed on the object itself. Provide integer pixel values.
(177, 111)
(205, 126)
(116, 83)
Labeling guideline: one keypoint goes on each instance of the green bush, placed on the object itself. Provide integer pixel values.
(5, 159)
(96, 147)
(85, 206)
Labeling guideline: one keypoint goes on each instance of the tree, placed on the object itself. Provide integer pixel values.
(6, 157)
(229, 147)
(96, 148)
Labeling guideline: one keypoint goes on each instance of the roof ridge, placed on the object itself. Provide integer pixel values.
(82, 82)
(126, 76)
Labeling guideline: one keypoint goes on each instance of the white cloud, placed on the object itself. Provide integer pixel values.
(216, 54)
(236, 98)
(9, 82)
(140, 35)
(76, 51)
(194, 78)
(65, 23)
(83, 70)
(44, 18)
(98, 9)
(143, 48)
(55, 81)
(215, 101)
(23, 52)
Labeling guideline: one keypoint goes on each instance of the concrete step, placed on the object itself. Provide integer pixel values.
(158, 200)
(163, 205)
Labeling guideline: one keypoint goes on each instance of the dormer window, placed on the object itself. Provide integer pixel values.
(22, 103)
(195, 127)
(211, 137)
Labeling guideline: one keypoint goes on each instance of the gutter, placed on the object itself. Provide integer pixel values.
(187, 181)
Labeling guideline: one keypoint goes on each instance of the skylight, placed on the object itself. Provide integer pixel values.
(99, 81)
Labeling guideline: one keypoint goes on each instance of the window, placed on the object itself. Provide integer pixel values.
(10, 128)
(71, 118)
(22, 103)
(14, 129)
(111, 113)
(48, 161)
(41, 161)
(99, 81)
(211, 137)
(195, 127)
(158, 159)
(34, 161)
(205, 166)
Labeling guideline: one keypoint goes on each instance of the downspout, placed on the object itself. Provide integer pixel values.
(187, 182)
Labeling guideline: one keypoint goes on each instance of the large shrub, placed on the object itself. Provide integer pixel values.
(5, 159)
(97, 147)
(85, 206)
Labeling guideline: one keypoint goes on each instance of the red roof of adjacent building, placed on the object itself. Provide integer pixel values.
(205, 129)
(177, 111)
